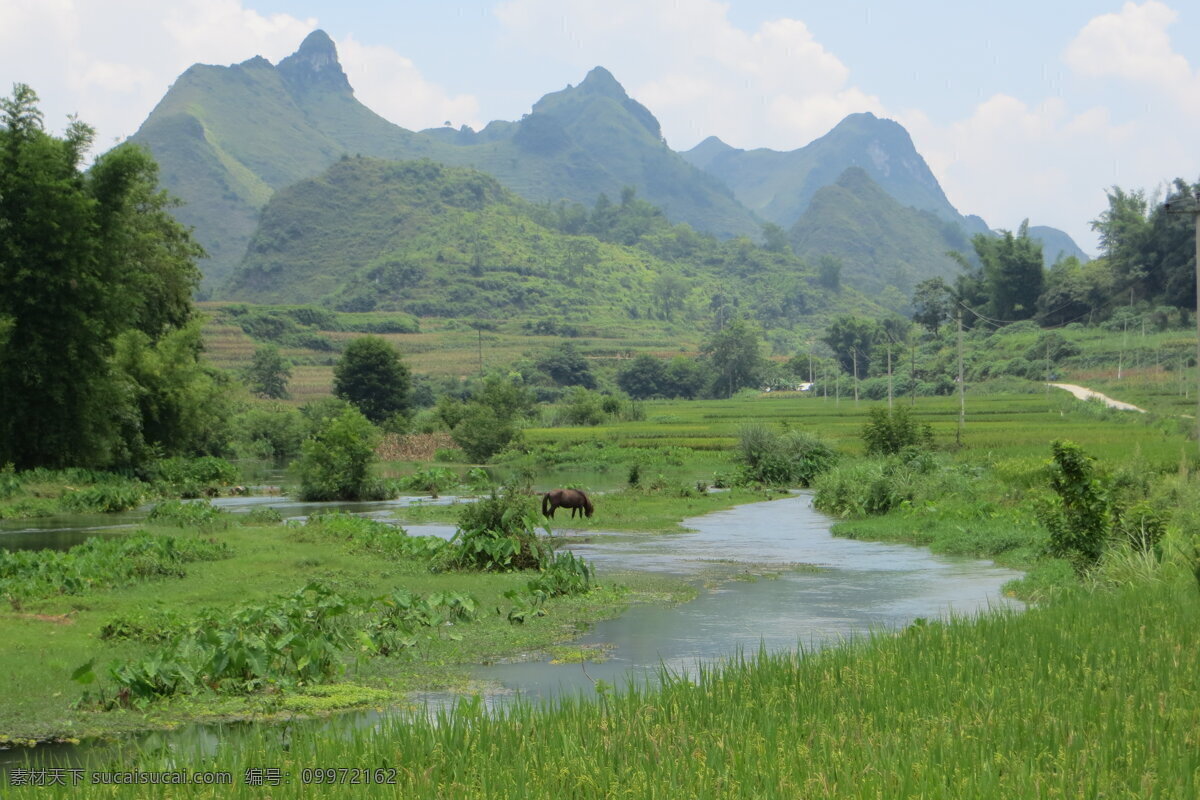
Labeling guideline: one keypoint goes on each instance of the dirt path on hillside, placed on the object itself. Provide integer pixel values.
(1083, 393)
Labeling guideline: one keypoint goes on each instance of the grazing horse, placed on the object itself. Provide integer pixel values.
(566, 498)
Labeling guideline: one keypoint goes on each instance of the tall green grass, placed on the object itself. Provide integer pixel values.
(1095, 696)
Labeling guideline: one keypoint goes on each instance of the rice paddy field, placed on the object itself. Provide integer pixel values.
(995, 426)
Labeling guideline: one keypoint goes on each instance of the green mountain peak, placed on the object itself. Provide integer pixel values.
(315, 64)
(601, 81)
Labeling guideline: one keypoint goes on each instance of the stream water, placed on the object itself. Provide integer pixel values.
(821, 589)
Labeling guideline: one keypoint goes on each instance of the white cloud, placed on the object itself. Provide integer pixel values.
(111, 62)
(698, 73)
(391, 86)
(1131, 44)
(1009, 161)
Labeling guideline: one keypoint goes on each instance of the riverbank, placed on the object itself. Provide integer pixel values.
(48, 639)
(1092, 696)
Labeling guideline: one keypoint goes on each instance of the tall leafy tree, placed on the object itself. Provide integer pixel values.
(84, 256)
(1012, 273)
(735, 355)
(644, 376)
(268, 373)
(371, 376)
(852, 340)
(933, 304)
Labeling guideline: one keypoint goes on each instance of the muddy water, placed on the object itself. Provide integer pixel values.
(821, 590)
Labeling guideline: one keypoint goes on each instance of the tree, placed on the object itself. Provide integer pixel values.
(337, 458)
(1012, 273)
(852, 340)
(932, 304)
(775, 238)
(84, 257)
(481, 432)
(643, 377)
(829, 272)
(566, 367)
(371, 376)
(268, 373)
(734, 355)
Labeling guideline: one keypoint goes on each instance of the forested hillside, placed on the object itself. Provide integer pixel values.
(229, 137)
(445, 241)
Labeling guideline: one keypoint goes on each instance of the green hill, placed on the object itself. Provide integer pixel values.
(438, 241)
(227, 138)
(780, 186)
(880, 242)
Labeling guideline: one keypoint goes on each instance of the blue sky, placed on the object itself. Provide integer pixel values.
(1021, 109)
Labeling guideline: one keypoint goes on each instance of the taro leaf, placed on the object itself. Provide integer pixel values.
(85, 674)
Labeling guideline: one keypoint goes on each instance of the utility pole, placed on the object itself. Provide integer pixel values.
(1194, 209)
(854, 354)
(889, 374)
(912, 377)
(962, 400)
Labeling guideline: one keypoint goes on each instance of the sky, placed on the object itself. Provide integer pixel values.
(1023, 109)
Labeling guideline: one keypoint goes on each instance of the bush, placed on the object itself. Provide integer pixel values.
(101, 563)
(105, 498)
(891, 431)
(192, 477)
(336, 461)
(269, 433)
(481, 433)
(1079, 521)
(865, 488)
(498, 534)
(793, 457)
(199, 514)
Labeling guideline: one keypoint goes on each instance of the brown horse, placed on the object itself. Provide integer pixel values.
(566, 498)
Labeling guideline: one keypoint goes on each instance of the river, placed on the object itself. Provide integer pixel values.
(807, 588)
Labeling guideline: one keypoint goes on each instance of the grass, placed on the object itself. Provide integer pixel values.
(629, 510)
(1095, 696)
(48, 638)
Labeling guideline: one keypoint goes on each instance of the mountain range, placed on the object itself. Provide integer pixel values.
(228, 139)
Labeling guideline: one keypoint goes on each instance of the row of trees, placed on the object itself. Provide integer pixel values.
(99, 349)
(1148, 258)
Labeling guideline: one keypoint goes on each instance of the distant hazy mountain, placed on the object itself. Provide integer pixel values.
(780, 186)
(591, 139)
(1056, 244)
(228, 137)
(879, 241)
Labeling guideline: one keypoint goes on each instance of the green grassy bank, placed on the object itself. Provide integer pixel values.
(1095, 696)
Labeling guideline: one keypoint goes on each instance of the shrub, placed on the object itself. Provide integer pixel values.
(1079, 521)
(101, 563)
(890, 431)
(198, 514)
(105, 498)
(865, 488)
(336, 461)
(270, 433)
(375, 536)
(793, 457)
(432, 481)
(498, 534)
(482, 433)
